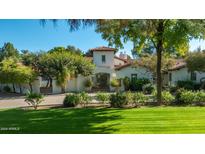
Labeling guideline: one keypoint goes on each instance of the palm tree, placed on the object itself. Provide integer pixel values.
(62, 77)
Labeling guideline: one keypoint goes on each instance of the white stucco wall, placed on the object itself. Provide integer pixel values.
(128, 71)
(118, 62)
(110, 71)
(25, 87)
(72, 85)
(81, 83)
(183, 74)
(97, 58)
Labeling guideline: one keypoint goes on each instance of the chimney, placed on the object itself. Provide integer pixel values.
(123, 55)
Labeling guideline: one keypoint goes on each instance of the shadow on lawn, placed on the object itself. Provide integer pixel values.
(59, 121)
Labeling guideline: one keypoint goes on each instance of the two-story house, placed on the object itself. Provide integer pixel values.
(109, 66)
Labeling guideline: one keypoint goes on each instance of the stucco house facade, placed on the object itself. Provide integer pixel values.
(180, 72)
(108, 66)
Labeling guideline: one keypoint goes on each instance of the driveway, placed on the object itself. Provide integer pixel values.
(16, 100)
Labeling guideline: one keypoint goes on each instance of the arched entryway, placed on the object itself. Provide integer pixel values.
(102, 81)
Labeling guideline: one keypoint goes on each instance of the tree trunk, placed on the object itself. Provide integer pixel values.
(31, 88)
(20, 89)
(62, 89)
(47, 84)
(51, 81)
(14, 89)
(159, 50)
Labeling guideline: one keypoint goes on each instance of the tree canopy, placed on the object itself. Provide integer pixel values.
(14, 72)
(63, 65)
(69, 48)
(150, 62)
(8, 50)
(196, 61)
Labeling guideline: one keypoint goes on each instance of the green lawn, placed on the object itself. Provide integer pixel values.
(155, 120)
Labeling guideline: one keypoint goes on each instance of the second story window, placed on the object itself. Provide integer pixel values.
(103, 59)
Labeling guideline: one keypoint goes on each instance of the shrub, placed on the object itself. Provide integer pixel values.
(137, 84)
(148, 88)
(200, 96)
(139, 99)
(189, 85)
(187, 97)
(197, 86)
(103, 97)
(190, 97)
(7, 89)
(178, 101)
(128, 97)
(34, 99)
(167, 97)
(117, 100)
(84, 98)
(88, 83)
(173, 89)
(126, 82)
(71, 100)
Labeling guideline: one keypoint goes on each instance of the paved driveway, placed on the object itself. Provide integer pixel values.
(15, 100)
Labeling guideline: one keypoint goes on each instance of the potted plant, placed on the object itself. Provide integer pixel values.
(116, 84)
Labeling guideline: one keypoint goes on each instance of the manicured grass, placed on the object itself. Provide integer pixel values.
(155, 120)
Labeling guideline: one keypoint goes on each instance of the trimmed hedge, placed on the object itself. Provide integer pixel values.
(71, 100)
(117, 100)
(122, 99)
(186, 97)
(103, 97)
(128, 98)
(188, 85)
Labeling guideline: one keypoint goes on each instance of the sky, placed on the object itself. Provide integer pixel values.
(31, 35)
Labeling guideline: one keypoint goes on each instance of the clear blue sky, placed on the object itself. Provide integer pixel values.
(31, 35)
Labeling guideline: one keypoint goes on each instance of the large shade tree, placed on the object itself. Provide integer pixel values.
(196, 61)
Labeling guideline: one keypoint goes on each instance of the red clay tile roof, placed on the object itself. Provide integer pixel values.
(180, 64)
(125, 60)
(89, 58)
(103, 48)
(119, 67)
